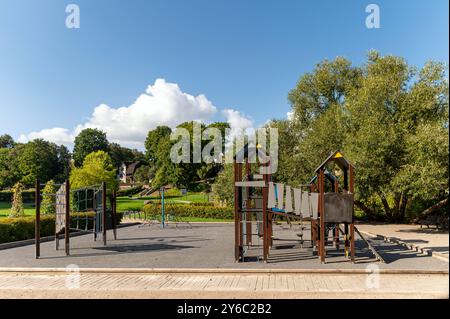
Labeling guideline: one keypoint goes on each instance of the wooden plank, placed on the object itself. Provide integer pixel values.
(250, 184)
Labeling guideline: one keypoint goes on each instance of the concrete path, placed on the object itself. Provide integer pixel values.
(426, 238)
(229, 284)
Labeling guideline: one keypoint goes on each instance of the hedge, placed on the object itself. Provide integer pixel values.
(130, 191)
(14, 229)
(201, 204)
(27, 196)
(189, 210)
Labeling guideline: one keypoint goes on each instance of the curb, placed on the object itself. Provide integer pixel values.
(218, 271)
(31, 241)
(425, 251)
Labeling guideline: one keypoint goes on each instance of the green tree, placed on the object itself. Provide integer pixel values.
(6, 141)
(223, 185)
(153, 140)
(97, 168)
(144, 174)
(17, 202)
(9, 171)
(120, 154)
(386, 116)
(63, 164)
(36, 159)
(48, 200)
(89, 140)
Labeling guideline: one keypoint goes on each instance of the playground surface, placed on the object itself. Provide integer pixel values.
(437, 241)
(208, 246)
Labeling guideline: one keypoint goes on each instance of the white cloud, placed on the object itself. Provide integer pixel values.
(56, 135)
(236, 120)
(162, 103)
(290, 115)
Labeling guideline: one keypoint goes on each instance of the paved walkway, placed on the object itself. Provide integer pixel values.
(229, 285)
(425, 238)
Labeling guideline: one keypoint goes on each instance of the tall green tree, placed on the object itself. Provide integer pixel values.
(120, 154)
(9, 171)
(89, 140)
(97, 168)
(37, 159)
(153, 140)
(6, 141)
(394, 108)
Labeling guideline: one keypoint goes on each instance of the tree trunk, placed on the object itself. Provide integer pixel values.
(369, 212)
(402, 208)
(396, 208)
(387, 209)
(431, 209)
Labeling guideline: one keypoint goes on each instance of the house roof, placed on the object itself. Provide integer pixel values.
(131, 168)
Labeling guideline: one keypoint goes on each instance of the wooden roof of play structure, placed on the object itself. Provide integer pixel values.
(339, 159)
(249, 151)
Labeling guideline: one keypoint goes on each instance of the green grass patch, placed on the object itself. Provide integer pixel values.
(126, 203)
(6, 206)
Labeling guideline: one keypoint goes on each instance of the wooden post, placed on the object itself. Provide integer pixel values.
(104, 212)
(322, 216)
(67, 211)
(352, 225)
(313, 233)
(37, 224)
(237, 253)
(248, 215)
(336, 229)
(265, 224)
(346, 237)
(113, 214)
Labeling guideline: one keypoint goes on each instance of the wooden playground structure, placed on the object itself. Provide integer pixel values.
(92, 214)
(323, 202)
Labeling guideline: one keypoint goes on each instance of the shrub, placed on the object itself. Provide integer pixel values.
(189, 210)
(17, 202)
(14, 229)
(201, 204)
(48, 201)
(130, 191)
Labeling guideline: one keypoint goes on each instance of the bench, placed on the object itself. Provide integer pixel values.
(438, 221)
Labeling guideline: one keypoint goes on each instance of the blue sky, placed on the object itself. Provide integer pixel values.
(242, 55)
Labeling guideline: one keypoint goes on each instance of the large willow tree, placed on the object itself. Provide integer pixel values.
(389, 118)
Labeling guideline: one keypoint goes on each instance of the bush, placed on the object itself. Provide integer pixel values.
(49, 201)
(189, 210)
(17, 202)
(201, 204)
(14, 229)
(130, 191)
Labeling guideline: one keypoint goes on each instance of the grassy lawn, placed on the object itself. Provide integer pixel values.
(127, 204)
(6, 206)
